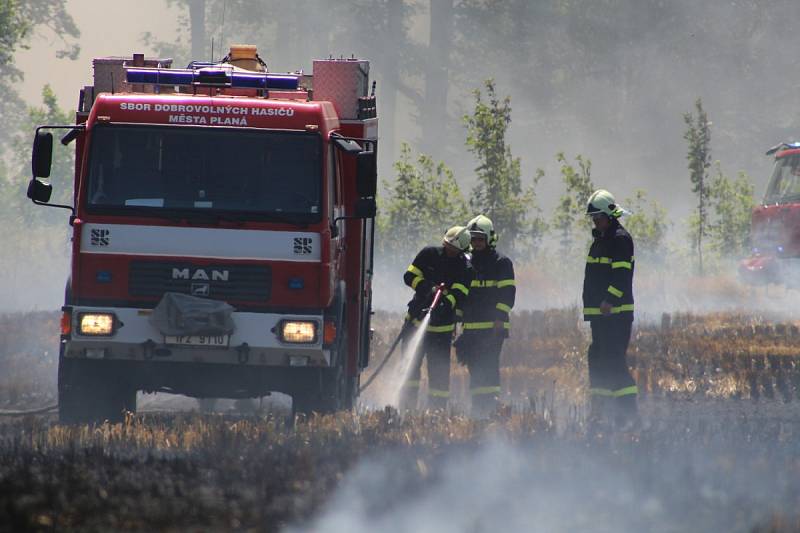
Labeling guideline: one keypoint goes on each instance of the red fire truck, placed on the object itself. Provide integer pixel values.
(222, 233)
(775, 230)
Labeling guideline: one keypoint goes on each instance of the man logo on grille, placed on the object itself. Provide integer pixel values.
(302, 245)
(202, 290)
(100, 237)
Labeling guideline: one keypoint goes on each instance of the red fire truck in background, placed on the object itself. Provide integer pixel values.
(222, 241)
(775, 229)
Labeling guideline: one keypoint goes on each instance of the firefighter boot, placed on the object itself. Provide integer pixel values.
(600, 415)
(626, 417)
(437, 401)
(484, 405)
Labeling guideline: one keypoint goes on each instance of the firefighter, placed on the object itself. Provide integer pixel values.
(435, 265)
(608, 307)
(486, 316)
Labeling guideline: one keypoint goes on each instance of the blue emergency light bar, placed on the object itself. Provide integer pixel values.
(783, 146)
(213, 76)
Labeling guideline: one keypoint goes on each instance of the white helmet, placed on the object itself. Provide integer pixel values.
(457, 236)
(482, 226)
(602, 201)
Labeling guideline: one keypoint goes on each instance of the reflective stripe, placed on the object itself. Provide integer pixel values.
(615, 291)
(483, 283)
(633, 389)
(412, 384)
(622, 264)
(602, 260)
(484, 325)
(595, 311)
(459, 312)
(478, 325)
(478, 391)
(415, 282)
(416, 271)
(414, 321)
(505, 283)
(452, 300)
(440, 329)
(503, 307)
(460, 287)
(436, 393)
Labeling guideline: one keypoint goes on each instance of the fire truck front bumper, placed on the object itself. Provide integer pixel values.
(125, 334)
(763, 269)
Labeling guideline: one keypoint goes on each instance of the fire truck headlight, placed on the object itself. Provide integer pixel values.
(298, 331)
(99, 324)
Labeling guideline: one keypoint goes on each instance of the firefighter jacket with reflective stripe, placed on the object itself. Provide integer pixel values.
(609, 273)
(491, 293)
(431, 267)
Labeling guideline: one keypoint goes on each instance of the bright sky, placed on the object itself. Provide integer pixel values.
(108, 28)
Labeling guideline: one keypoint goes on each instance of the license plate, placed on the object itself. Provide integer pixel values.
(198, 340)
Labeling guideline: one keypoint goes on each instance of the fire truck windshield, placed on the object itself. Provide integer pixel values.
(194, 172)
(784, 185)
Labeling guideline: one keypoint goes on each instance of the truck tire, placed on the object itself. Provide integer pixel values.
(87, 394)
(330, 391)
(353, 388)
(325, 395)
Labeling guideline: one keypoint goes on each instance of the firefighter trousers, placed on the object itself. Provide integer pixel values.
(480, 351)
(435, 349)
(612, 388)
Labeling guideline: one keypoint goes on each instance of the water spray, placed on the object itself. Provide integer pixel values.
(399, 372)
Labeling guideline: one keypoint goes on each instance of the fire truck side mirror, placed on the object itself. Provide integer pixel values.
(39, 191)
(366, 175)
(42, 156)
(366, 208)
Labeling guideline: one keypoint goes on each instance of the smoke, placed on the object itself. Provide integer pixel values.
(704, 482)
(35, 268)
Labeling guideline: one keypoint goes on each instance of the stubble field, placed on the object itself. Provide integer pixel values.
(717, 450)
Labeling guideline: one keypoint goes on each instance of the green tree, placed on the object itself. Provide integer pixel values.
(15, 204)
(570, 217)
(698, 137)
(732, 202)
(421, 204)
(499, 193)
(648, 225)
(18, 23)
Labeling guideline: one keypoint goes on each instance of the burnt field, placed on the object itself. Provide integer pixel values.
(718, 450)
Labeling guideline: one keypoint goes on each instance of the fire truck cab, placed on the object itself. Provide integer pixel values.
(222, 233)
(775, 229)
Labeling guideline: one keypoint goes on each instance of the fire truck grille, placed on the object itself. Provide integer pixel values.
(249, 283)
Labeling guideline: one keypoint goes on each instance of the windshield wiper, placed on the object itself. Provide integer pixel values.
(178, 215)
(289, 218)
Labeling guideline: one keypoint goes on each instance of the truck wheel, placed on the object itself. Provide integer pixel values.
(329, 398)
(352, 390)
(88, 394)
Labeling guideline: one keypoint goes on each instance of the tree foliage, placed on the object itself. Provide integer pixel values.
(648, 225)
(423, 201)
(14, 204)
(732, 204)
(499, 193)
(570, 217)
(698, 137)
(18, 23)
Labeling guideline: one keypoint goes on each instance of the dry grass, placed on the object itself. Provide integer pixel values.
(211, 472)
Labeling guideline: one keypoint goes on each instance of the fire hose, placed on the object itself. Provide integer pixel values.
(406, 326)
(25, 412)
